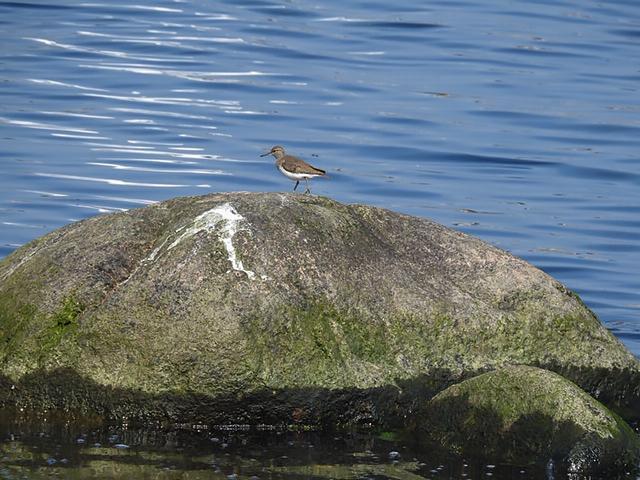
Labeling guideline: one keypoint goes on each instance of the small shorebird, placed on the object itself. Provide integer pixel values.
(294, 168)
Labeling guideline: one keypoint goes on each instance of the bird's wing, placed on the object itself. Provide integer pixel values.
(297, 165)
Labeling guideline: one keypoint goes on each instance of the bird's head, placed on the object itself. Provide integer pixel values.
(276, 151)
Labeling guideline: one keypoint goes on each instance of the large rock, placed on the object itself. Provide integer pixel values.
(523, 414)
(266, 306)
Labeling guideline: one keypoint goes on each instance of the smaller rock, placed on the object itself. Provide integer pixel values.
(519, 414)
(393, 455)
(121, 446)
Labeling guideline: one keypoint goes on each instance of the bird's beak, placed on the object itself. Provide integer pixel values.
(265, 154)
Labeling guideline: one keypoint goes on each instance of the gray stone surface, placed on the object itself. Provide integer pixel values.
(208, 301)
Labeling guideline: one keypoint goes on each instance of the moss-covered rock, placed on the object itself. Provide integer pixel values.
(233, 304)
(524, 414)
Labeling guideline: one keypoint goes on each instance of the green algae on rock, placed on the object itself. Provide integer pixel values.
(221, 300)
(524, 414)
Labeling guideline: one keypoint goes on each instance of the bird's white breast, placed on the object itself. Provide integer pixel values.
(296, 176)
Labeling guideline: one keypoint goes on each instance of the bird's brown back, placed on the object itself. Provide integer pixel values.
(297, 165)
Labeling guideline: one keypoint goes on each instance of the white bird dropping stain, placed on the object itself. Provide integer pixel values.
(227, 222)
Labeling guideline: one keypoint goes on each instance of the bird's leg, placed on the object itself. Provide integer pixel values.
(308, 190)
(296, 185)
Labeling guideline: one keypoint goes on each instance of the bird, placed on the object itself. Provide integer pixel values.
(294, 168)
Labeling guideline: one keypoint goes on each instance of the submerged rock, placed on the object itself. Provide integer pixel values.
(266, 307)
(523, 414)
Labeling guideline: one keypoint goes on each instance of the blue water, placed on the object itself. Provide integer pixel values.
(518, 122)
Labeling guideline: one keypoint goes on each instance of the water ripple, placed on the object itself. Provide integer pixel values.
(110, 181)
(117, 166)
